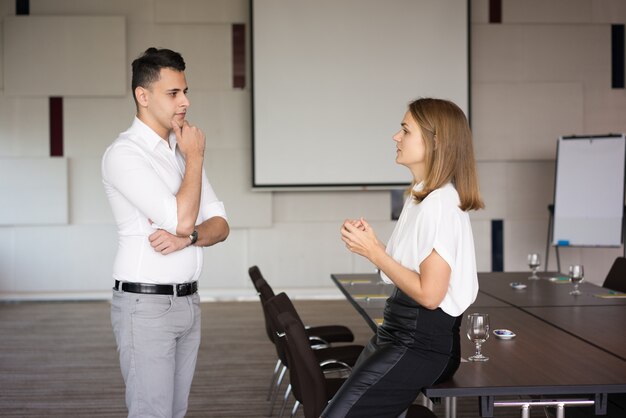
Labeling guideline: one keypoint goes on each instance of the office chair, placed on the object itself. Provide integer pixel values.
(320, 336)
(336, 358)
(325, 334)
(311, 388)
(616, 278)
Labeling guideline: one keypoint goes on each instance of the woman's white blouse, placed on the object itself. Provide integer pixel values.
(437, 223)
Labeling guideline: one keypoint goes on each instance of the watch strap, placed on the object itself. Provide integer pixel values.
(193, 237)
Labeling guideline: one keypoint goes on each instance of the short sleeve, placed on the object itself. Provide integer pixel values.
(438, 223)
(437, 229)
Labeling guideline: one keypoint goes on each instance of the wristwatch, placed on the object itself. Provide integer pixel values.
(193, 237)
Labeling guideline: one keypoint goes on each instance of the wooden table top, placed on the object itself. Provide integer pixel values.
(601, 326)
(544, 292)
(561, 344)
(540, 359)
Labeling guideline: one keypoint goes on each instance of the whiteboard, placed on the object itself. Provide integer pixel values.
(332, 79)
(589, 191)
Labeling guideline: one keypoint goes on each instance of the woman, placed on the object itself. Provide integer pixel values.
(430, 259)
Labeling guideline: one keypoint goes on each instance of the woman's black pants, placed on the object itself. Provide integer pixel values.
(414, 348)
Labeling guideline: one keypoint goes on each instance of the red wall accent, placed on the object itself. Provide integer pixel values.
(56, 126)
(495, 11)
(239, 55)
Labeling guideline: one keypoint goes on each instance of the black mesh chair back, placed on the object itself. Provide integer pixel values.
(308, 383)
(282, 303)
(255, 274)
(332, 359)
(265, 293)
(616, 279)
(325, 334)
(265, 290)
(341, 357)
(274, 307)
(310, 387)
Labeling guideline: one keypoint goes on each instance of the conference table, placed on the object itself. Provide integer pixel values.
(568, 349)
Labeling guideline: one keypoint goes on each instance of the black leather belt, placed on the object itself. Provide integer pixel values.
(183, 289)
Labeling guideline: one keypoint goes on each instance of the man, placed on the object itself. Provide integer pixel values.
(165, 210)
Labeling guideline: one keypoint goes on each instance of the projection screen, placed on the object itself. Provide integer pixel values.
(331, 81)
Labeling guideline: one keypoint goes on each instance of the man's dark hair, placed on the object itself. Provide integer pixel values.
(147, 68)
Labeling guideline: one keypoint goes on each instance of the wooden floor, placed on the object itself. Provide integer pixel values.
(58, 359)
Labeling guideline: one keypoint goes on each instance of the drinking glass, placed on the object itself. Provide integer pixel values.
(576, 275)
(478, 332)
(534, 261)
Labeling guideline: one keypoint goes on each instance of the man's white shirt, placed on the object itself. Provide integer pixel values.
(141, 176)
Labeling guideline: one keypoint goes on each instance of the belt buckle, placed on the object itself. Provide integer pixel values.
(181, 289)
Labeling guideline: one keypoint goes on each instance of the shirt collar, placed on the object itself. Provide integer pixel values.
(149, 136)
(172, 140)
(420, 186)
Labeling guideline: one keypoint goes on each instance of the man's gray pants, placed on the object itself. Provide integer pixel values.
(157, 337)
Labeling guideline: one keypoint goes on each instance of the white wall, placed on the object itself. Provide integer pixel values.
(543, 72)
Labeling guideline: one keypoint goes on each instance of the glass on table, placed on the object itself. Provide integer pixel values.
(576, 276)
(478, 332)
(534, 261)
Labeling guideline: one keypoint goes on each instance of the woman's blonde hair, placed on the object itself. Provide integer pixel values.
(449, 152)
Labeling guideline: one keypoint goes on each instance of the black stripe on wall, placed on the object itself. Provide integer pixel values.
(495, 11)
(22, 7)
(497, 245)
(617, 56)
(239, 55)
(56, 126)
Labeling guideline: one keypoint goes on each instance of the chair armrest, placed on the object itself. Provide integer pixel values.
(335, 362)
(318, 342)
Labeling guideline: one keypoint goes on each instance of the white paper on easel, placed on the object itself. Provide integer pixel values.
(589, 191)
